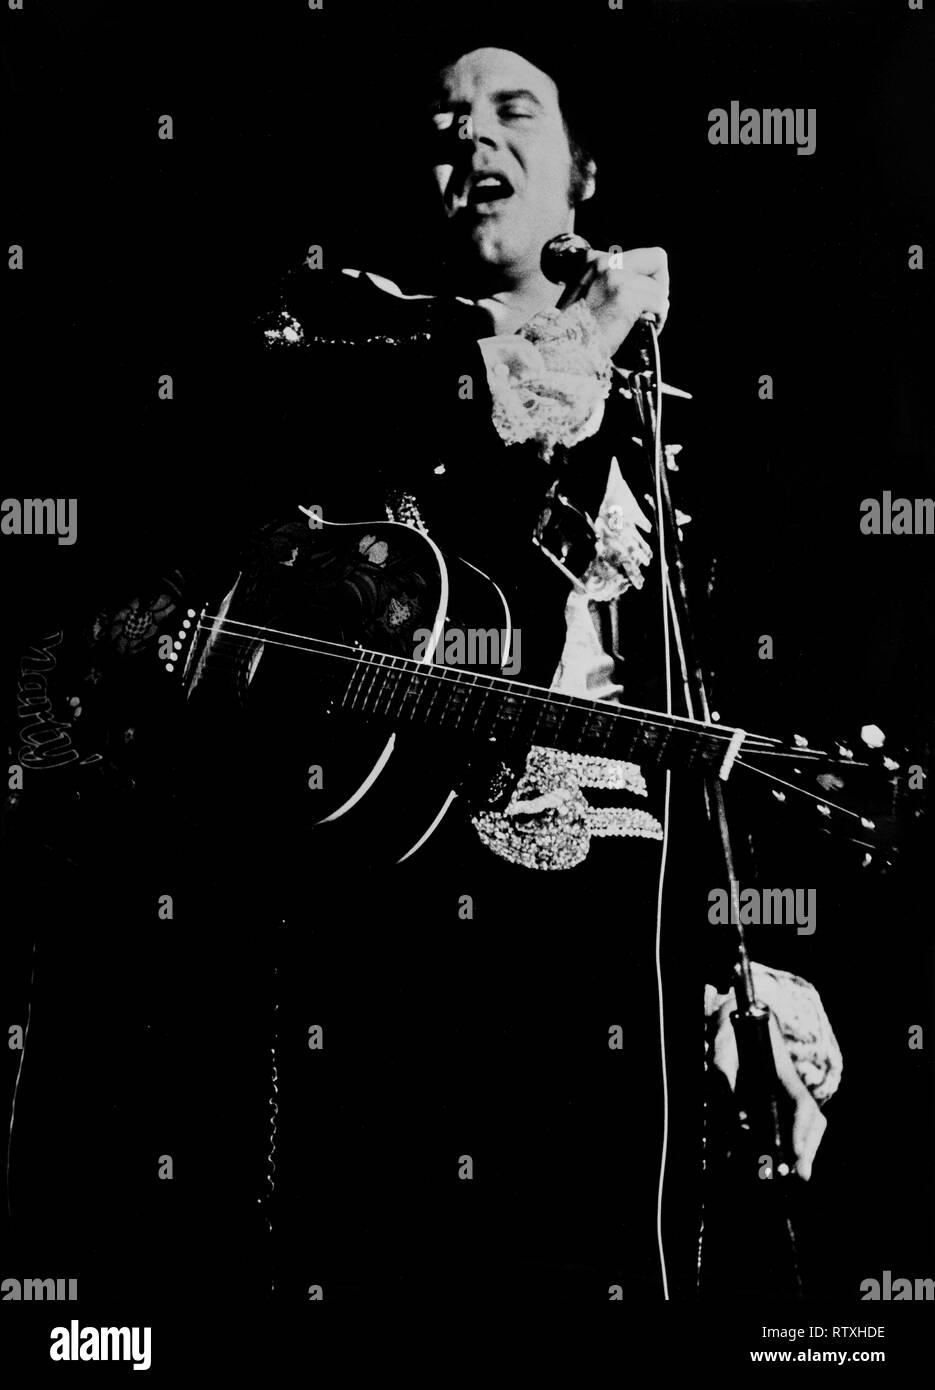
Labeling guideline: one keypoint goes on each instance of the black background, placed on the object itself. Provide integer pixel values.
(291, 128)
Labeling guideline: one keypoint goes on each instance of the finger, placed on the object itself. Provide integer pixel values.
(657, 316)
(631, 277)
(651, 297)
(726, 1058)
(807, 1132)
(656, 294)
(809, 1124)
(643, 260)
(577, 289)
(649, 294)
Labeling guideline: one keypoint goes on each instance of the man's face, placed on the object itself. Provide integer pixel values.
(502, 161)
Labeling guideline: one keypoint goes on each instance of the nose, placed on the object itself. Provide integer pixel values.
(482, 128)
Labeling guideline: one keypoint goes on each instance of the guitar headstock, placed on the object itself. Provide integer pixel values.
(865, 790)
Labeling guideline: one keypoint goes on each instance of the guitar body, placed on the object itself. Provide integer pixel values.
(318, 746)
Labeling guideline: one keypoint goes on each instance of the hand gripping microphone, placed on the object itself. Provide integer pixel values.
(564, 261)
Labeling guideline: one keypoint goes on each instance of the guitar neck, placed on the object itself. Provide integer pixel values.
(491, 709)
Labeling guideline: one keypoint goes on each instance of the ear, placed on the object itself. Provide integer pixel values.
(589, 182)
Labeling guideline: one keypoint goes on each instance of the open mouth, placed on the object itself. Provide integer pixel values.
(490, 188)
(482, 192)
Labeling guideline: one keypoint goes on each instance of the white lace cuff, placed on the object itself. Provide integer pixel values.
(549, 381)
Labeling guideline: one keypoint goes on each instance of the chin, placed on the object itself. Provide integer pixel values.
(486, 250)
(493, 248)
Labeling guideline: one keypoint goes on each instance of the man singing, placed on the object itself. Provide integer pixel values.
(515, 1092)
(492, 403)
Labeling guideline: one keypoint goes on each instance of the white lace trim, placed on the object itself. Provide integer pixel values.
(549, 381)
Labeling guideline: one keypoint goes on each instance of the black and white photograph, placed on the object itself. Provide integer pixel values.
(467, 553)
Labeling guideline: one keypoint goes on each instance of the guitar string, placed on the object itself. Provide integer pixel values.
(471, 680)
(760, 743)
(822, 801)
(713, 731)
(403, 663)
(720, 732)
(387, 662)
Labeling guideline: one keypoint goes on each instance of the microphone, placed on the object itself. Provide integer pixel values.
(565, 258)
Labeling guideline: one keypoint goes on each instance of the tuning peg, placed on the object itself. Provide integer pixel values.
(873, 736)
(799, 741)
(824, 810)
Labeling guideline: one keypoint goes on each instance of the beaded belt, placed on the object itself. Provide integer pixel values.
(549, 824)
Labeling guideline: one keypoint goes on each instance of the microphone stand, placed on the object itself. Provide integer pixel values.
(757, 1087)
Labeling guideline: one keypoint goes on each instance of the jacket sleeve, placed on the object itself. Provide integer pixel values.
(93, 713)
